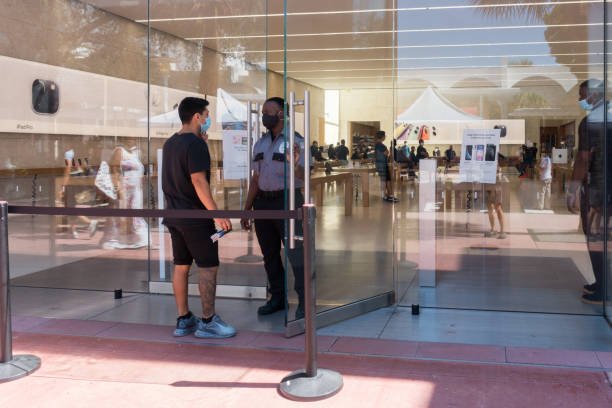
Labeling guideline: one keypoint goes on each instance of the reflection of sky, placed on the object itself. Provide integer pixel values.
(457, 18)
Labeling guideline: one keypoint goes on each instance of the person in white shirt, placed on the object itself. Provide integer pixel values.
(545, 168)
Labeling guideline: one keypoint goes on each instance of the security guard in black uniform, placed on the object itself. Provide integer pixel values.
(267, 192)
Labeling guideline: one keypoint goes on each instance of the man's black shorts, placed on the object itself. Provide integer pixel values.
(192, 242)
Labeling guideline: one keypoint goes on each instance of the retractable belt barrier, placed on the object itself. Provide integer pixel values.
(311, 383)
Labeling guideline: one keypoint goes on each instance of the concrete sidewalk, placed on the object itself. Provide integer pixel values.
(90, 363)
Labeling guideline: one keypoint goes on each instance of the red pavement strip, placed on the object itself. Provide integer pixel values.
(86, 363)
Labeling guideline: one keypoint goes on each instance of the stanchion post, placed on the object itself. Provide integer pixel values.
(6, 353)
(11, 367)
(312, 383)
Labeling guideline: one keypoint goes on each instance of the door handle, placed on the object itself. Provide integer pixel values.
(292, 104)
(250, 113)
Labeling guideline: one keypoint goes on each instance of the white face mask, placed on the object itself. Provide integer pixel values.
(206, 125)
(585, 105)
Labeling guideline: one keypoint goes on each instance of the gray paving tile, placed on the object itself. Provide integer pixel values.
(501, 328)
(161, 310)
(64, 304)
(370, 325)
(432, 325)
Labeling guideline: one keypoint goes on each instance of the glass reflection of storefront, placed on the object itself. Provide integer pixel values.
(93, 95)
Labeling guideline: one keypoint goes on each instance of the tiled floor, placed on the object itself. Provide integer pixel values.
(506, 329)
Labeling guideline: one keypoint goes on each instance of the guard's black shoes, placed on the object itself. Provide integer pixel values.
(299, 312)
(271, 306)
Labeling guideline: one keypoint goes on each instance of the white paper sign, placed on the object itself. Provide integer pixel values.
(479, 156)
(232, 115)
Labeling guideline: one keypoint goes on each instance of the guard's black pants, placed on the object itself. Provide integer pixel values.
(270, 234)
(594, 245)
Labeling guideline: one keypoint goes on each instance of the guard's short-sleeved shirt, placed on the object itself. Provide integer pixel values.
(183, 155)
(269, 162)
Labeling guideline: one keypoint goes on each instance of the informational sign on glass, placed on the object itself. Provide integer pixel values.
(479, 151)
(232, 115)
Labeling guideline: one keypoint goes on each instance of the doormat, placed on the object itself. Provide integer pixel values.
(528, 211)
(556, 236)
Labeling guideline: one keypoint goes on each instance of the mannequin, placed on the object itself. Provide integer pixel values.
(127, 172)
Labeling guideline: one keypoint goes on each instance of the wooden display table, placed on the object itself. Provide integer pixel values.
(318, 181)
(364, 173)
(456, 195)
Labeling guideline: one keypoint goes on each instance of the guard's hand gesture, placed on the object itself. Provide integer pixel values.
(245, 223)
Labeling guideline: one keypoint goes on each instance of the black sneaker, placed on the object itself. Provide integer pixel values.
(271, 306)
(592, 299)
(299, 312)
(589, 289)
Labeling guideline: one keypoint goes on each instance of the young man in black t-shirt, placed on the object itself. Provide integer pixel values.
(186, 185)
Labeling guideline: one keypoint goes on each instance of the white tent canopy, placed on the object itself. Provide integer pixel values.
(431, 106)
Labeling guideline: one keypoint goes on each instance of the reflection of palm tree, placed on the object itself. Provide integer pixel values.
(529, 100)
(564, 42)
(523, 9)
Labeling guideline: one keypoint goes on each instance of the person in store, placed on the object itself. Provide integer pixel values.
(81, 198)
(494, 207)
(342, 153)
(589, 181)
(545, 172)
(319, 155)
(449, 155)
(314, 149)
(331, 152)
(382, 160)
(267, 192)
(422, 152)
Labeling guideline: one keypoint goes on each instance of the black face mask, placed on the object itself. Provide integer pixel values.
(270, 121)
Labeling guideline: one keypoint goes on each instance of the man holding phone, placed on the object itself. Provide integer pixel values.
(186, 185)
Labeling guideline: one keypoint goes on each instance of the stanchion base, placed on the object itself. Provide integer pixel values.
(18, 367)
(298, 387)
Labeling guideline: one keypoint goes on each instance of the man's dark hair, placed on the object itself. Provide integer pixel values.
(189, 107)
(379, 134)
(593, 85)
(342, 141)
(277, 100)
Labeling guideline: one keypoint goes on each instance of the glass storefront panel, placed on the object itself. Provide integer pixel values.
(608, 194)
(80, 87)
(350, 101)
(93, 93)
(516, 68)
(75, 106)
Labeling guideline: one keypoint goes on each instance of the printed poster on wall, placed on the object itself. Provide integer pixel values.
(232, 116)
(479, 156)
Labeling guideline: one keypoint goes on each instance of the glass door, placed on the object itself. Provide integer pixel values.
(499, 84)
(215, 50)
(342, 54)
